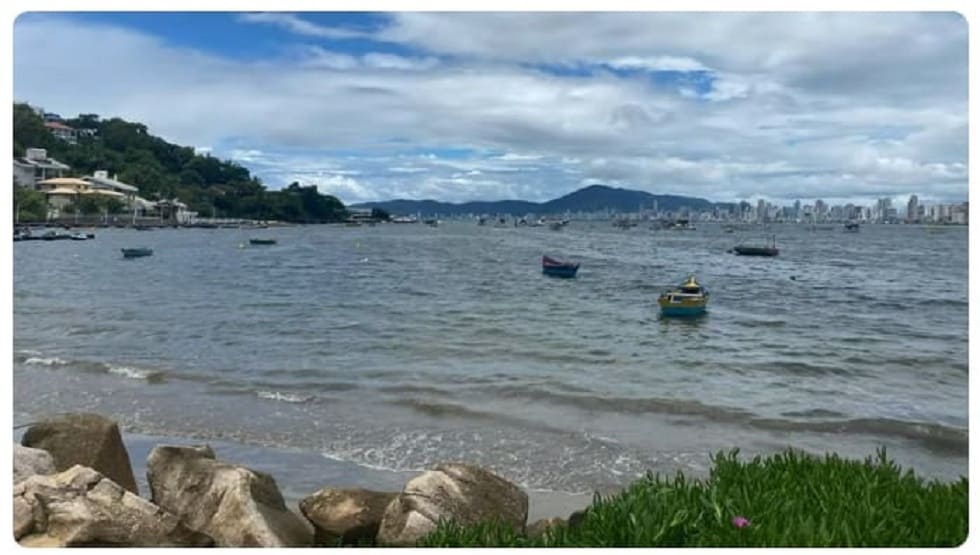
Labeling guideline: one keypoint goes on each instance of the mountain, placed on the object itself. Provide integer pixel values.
(593, 198)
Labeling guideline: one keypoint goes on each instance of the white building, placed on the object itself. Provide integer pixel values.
(100, 180)
(35, 166)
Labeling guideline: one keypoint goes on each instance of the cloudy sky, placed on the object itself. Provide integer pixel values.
(488, 106)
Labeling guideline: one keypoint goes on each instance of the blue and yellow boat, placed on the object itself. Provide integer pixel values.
(690, 299)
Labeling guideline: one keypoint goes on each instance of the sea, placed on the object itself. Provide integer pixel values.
(384, 350)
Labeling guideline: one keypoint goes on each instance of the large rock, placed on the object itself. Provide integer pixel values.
(345, 516)
(236, 506)
(86, 439)
(460, 492)
(29, 461)
(80, 507)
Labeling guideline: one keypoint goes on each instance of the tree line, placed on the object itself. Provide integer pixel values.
(161, 170)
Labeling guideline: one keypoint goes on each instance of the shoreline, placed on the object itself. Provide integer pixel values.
(299, 474)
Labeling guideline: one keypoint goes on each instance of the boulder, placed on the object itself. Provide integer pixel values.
(540, 527)
(236, 506)
(81, 507)
(345, 516)
(87, 439)
(29, 461)
(463, 493)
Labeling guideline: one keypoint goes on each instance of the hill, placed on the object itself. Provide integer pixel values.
(589, 199)
(162, 170)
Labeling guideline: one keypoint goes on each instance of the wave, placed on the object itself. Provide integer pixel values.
(284, 397)
(46, 361)
(124, 370)
(934, 436)
(152, 376)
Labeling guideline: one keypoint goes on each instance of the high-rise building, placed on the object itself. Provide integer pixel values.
(912, 211)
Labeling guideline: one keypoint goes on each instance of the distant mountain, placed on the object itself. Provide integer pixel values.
(593, 198)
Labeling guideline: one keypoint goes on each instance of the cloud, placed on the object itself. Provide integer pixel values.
(301, 26)
(657, 63)
(784, 104)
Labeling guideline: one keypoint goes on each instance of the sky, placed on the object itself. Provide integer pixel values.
(846, 107)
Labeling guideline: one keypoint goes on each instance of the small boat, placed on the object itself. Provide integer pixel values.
(750, 250)
(556, 268)
(136, 253)
(79, 237)
(261, 241)
(690, 299)
(852, 226)
(558, 226)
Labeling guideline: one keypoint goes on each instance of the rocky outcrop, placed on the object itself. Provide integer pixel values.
(460, 492)
(345, 516)
(236, 506)
(29, 461)
(86, 439)
(81, 507)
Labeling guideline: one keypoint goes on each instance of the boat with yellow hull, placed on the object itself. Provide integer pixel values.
(690, 299)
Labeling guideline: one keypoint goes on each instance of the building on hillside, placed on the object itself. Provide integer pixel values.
(35, 166)
(100, 180)
(62, 191)
(62, 131)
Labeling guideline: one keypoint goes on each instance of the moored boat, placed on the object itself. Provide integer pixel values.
(758, 250)
(137, 252)
(689, 299)
(557, 268)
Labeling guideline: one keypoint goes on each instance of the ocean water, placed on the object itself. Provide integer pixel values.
(394, 347)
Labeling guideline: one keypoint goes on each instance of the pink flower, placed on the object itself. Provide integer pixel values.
(741, 522)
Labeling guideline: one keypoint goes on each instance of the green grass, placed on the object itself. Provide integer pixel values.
(791, 499)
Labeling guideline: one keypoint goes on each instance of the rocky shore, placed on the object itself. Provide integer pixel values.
(74, 486)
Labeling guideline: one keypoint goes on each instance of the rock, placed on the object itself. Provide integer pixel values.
(81, 507)
(345, 516)
(539, 527)
(29, 461)
(575, 519)
(460, 492)
(86, 439)
(236, 506)
(23, 517)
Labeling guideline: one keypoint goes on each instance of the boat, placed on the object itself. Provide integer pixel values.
(755, 250)
(79, 237)
(689, 299)
(681, 224)
(852, 226)
(136, 253)
(624, 223)
(431, 223)
(558, 226)
(261, 241)
(557, 268)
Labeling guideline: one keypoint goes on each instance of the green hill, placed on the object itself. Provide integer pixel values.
(163, 170)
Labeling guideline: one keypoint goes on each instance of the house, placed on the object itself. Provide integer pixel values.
(173, 210)
(35, 166)
(62, 191)
(100, 180)
(62, 131)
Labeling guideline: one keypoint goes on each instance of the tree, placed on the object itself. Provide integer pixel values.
(380, 215)
(29, 205)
